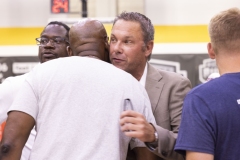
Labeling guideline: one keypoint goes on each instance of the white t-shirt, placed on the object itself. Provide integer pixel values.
(77, 102)
(8, 91)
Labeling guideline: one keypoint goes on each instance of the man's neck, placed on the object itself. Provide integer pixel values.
(138, 76)
(139, 73)
(229, 64)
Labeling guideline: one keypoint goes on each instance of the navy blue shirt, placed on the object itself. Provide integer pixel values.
(211, 119)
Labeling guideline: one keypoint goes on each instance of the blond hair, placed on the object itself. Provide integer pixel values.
(224, 30)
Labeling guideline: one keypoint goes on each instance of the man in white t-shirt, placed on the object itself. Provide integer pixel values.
(57, 34)
(98, 41)
(76, 103)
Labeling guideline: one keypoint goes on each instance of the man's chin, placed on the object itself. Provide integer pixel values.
(47, 59)
(119, 66)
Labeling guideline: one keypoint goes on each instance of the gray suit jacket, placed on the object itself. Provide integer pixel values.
(166, 91)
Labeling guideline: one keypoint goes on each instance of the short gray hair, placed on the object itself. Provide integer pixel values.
(145, 23)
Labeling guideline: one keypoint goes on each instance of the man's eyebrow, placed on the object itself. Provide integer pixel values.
(128, 37)
(46, 36)
(112, 35)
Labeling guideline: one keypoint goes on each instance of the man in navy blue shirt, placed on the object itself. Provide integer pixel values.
(210, 124)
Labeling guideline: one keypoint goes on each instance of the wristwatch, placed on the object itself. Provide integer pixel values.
(153, 145)
(156, 136)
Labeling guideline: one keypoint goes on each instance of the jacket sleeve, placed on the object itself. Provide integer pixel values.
(167, 137)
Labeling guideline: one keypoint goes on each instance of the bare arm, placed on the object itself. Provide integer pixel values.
(15, 135)
(198, 156)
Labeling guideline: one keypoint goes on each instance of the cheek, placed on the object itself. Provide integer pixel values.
(111, 49)
(131, 52)
(135, 54)
(40, 50)
(111, 53)
(62, 51)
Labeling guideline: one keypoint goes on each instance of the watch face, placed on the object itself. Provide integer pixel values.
(156, 136)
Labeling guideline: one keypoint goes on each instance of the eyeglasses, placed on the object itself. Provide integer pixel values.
(42, 41)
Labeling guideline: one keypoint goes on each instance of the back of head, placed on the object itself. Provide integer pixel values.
(89, 38)
(224, 31)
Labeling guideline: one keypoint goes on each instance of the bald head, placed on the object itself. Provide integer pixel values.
(89, 38)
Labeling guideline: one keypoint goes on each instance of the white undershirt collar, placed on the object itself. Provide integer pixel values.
(144, 76)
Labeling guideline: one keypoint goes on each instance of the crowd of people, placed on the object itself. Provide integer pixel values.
(98, 97)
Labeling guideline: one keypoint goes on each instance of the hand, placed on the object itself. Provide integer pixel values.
(134, 124)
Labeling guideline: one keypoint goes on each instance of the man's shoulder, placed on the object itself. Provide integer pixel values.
(167, 75)
(208, 89)
(15, 80)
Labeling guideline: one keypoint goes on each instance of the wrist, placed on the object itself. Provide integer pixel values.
(154, 135)
(152, 145)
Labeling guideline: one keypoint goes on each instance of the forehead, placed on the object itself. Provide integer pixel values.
(54, 31)
(127, 29)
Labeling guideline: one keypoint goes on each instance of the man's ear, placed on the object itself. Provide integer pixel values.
(107, 49)
(149, 48)
(106, 41)
(69, 50)
(211, 51)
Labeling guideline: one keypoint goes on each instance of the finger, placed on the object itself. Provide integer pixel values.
(134, 127)
(135, 134)
(129, 113)
(140, 119)
(125, 120)
(128, 127)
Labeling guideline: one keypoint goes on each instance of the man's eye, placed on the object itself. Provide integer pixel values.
(57, 40)
(112, 40)
(128, 41)
(44, 40)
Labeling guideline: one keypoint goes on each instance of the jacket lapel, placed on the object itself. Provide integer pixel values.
(153, 86)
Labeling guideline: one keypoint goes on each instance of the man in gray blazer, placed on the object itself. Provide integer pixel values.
(131, 45)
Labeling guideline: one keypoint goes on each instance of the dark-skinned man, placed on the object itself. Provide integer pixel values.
(87, 38)
(53, 43)
(75, 103)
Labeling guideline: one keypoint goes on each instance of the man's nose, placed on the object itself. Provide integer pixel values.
(116, 47)
(49, 44)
